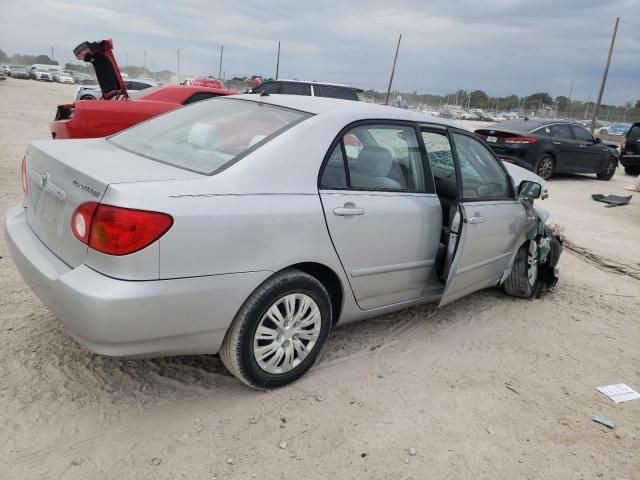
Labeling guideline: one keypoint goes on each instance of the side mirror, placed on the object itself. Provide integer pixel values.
(528, 189)
(598, 140)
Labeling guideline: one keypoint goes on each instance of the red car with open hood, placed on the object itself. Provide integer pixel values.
(117, 111)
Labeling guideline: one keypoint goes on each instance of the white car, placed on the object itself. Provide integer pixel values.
(63, 77)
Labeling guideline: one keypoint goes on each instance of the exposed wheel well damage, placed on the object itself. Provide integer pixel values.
(329, 280)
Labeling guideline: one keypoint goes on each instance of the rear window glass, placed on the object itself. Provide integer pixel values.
(207, 136)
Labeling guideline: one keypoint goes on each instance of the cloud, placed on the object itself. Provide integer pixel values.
(500, 46)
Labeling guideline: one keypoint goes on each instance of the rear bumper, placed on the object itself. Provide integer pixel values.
(129, 318)
(630, 160)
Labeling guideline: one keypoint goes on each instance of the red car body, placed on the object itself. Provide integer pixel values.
(116, 111)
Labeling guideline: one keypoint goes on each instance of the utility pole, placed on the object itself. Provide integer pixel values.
(586, 112)
(126, 59)
(51, 52)
(568, 110)
(395, 59)
(457, 97)
(145, 59)
(278, 61)
(178, 65)
(220, 69)
(604, 77)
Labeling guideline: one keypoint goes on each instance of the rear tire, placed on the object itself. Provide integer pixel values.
(609, 171)
(521, 282)
(545, 166)
(265, 345)
(632, 170)
(87, 97)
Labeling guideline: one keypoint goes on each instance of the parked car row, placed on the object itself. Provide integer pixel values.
(49, 73)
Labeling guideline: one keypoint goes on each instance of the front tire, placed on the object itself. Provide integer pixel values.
(279, 332)
(545, 166)
(609, 171)
(524, 274)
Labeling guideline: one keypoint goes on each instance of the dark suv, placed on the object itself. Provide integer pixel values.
(310, 89)
(547, 147)
(630, 150)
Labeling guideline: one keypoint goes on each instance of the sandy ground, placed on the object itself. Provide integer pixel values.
(488, 388)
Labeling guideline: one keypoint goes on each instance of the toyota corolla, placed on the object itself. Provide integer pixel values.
(251, 226)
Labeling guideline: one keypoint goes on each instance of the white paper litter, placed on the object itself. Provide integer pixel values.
(619, 392)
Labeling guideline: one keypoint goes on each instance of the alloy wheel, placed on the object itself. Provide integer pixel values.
(287, 333)
(545, 167)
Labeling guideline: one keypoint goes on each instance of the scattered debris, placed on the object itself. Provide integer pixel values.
(511, 388)
(155, 461)
(283, 445)
(253, 420)
(363, 454)
(76, 461)
(619, 392)
(611, 200)
(412, 451)
(604, 421)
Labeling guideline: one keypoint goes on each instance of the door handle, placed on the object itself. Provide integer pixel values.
(557, 143)
(346, 211)
(583, 146)
(477, 220)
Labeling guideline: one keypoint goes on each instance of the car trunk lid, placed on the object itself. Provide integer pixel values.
(100, 55)
(496, 139)
(63, 175)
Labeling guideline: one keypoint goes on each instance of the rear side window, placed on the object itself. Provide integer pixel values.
(581, 134)
(561, 130)
(634, 133)
(269, 87)
(333, 91)
(379, 157)
(292, 88)
(208, 136)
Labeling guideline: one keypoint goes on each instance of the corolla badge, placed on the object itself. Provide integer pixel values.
(44, 178)
(86, 188)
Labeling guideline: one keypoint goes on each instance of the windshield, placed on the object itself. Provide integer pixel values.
(206, 136)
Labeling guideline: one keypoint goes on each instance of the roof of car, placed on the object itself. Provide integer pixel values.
(320, 105)
(526, 124)
(312, 82)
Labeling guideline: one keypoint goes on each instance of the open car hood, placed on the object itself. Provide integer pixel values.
(100, 54)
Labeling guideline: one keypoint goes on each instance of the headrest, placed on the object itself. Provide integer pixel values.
(203, 135)
(374, 161)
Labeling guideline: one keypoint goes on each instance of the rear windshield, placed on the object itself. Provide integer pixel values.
(208, 136)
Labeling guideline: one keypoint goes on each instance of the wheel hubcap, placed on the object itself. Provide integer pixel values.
(287, 333)
(545, 167)
(532, 263)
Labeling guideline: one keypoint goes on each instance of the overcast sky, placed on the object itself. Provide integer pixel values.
(500, 46)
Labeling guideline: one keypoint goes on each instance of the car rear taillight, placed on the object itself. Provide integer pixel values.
(25, 183)
(520, 140)
(116, 230)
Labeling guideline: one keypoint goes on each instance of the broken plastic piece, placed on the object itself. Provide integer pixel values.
(604, 421)
(611, 200)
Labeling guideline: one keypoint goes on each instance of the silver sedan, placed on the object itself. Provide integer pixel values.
(251, 226)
